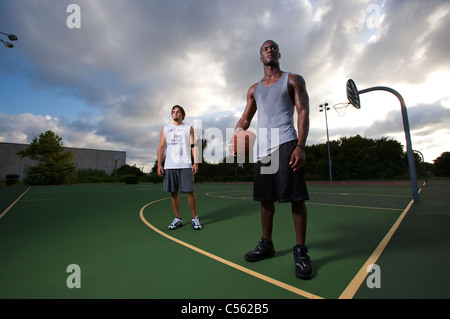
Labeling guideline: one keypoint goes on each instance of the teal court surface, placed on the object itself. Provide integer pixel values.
(117, 236)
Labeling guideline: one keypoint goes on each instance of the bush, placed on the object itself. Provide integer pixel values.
(11, 179)
(153, 178)
(131, 180)
(89, 175)
(128, 174)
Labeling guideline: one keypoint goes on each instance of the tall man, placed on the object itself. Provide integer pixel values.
(275, 97)
(176, 142)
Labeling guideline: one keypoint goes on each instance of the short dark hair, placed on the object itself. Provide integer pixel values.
(181, 110)
(269, 41)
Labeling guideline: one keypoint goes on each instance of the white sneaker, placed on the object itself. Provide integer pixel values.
(177, 223)
(196, 223)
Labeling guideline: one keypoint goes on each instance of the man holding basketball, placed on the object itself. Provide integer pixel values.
(176, 142)
(275, 97)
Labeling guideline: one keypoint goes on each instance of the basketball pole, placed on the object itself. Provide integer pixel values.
(409, 149)
(423, 165)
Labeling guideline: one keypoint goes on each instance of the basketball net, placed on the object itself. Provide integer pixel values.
(341, 108)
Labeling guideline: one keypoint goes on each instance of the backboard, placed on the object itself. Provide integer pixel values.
(352, 94)
(118, 157)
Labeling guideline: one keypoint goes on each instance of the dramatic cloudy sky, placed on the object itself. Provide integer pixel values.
(111, 83)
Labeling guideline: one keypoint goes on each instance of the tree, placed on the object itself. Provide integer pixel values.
(54, 165)
(126, 170)
(441, 165)
(355, 158)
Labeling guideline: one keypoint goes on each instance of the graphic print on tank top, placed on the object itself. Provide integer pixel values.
(177, 146)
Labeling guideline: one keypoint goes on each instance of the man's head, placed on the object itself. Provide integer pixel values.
(269, 53)
(178, 113)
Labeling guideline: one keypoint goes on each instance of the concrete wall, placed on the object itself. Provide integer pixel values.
(10, 163)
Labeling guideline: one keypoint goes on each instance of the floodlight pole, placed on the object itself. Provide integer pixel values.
(325, 108)
(409, 150)
(115, 171)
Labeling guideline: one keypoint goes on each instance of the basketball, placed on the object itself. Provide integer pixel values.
(243, 143)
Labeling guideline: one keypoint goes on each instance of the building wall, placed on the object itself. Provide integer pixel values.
(10, 163)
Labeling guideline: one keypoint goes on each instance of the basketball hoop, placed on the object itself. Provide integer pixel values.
(353, 98)
(341, 108)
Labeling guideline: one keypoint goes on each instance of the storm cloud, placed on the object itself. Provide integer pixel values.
(131, 61)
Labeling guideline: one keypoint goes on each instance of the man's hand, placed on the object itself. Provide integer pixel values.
(160, 170)
(231, 149)
(195, 168)
(298, 159)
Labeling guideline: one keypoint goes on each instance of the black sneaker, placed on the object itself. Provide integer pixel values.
(303, 269)
(263, 250)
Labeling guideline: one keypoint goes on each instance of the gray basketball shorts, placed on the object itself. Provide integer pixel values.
(178, 180)
(284, 185)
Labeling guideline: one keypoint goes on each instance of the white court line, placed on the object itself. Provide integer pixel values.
(308, 203)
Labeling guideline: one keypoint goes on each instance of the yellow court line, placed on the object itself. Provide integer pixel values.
(10, 206)
(227, 262)
(354, 285)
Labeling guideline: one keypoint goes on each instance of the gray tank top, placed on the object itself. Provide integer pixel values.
(275, 116)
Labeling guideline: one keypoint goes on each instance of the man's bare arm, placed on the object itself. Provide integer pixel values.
(161, 148)
(247, 116)
(297, 86)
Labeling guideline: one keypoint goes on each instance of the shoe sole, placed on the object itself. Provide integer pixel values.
(252, 260)
(304, 277)
(199, 227)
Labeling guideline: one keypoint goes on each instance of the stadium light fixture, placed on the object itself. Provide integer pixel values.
(11, 37)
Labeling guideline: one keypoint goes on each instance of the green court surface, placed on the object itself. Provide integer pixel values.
(118, 237)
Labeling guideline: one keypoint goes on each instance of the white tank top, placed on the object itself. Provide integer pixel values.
(178, 147)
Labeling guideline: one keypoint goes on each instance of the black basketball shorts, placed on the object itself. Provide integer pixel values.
(283, 185)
